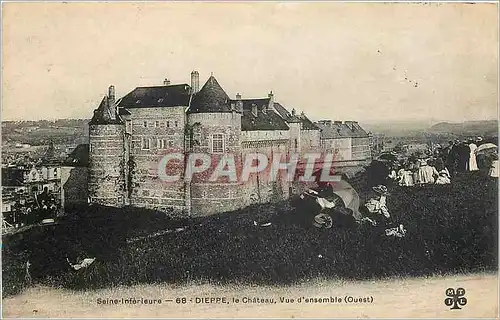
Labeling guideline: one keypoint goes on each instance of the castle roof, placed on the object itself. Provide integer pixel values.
(260, 103)
(123, 112)
(99, 118)
(157, 96)
(340, 130)
(210, 99)
(79, 157)
(307, 124)
(285, 114)
(268, 120)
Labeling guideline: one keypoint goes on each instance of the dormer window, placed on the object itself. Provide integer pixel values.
(138, 101)
(160, 100)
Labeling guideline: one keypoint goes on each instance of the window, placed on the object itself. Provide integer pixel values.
(176, 123)
(168, 124)
(162, 124)
(128, 126)
(145, 143)
(164, 143)
(218, 143)
(91, 147)
(145, 124)
(157, 124)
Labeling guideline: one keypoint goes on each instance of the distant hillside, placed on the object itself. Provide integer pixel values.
(432, 128)
(487, 127)
(63, 131)
(398, 128)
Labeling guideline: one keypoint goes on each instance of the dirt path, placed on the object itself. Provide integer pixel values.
(408, 298)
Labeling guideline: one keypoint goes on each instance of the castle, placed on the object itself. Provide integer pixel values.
(128, 137)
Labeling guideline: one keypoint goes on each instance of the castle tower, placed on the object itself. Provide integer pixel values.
(107, 154)
(216, 121)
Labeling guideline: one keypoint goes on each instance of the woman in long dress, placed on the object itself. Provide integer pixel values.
(472, 157)
(493, 172)
(426, 173)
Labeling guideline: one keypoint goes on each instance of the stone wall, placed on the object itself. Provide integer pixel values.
(264, 135)
(209, 197)
(295, 137)
(261, 187)
(361, 148)
(342, 148)
(309, 140)
(154, 133)
(106, 164)
(74, 190)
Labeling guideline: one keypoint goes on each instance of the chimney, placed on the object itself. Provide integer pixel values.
(293, 112)
(239, 103)
(166, 82)
(111, 102)
(270, 106)
(254, 110)
(111, 93)
(195, 81)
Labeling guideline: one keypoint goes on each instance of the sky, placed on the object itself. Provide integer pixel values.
(341, 61)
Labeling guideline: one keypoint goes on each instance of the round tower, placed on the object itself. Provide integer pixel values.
(215, 121)
(106, 155)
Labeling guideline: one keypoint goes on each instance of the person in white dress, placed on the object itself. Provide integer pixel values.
(493, 172)
(444, 177)
(472, 159)
(378, 205)
(426, 173)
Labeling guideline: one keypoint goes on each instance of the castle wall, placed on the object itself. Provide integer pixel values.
(106, 163)
(342, 148)
(295, 137)
(74, 190)
(209, 197)
(261, 187)
(309, 140)
(264, 135)
(361, 148)
(155, 132)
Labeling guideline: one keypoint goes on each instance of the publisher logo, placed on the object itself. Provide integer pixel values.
(455, 298)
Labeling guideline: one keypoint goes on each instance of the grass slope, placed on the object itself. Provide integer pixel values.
(450, 229)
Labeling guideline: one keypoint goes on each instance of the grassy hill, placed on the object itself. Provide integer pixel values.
(450, 229)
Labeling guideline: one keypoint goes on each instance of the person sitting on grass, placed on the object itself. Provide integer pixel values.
(443, 177)
(376, 211)
(493, 172)
(426, 173)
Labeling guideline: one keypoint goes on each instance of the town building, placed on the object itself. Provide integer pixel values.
(348, 140)
(129, 137)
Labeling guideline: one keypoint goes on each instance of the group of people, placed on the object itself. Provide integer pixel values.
(460, 156)
(422, 171)
(440, 166)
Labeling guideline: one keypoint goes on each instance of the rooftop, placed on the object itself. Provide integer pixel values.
(157, 96)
